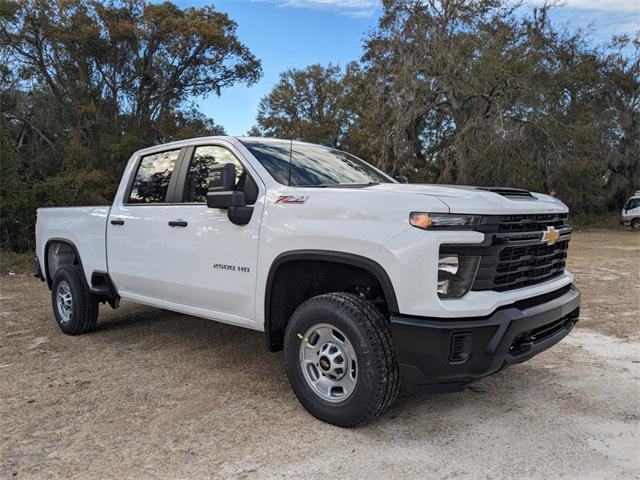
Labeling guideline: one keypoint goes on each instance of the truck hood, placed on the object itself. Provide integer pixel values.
(480, 200)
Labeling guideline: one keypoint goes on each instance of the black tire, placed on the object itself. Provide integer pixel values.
(367, 330)
(84, 309)
(635, 224)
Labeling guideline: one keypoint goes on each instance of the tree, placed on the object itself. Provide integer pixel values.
(455, 91)
(309, 104)
(16, 200)
(622, 89)
(84, 83)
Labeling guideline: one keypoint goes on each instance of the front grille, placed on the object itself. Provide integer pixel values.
(513, 254)
(523, 223)
(527, 265)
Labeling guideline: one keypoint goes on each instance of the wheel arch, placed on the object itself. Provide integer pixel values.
(48, 274)
(273, 327)
(100, 284)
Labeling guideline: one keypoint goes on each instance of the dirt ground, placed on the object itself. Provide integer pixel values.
(153, 394)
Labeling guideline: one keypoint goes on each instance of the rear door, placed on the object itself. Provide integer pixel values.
(137, 228)
(211, 263)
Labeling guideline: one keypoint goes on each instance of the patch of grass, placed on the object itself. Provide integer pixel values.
(17, 263)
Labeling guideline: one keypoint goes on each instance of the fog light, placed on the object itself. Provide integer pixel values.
(448, 263)
(447, 266)
(456, 275)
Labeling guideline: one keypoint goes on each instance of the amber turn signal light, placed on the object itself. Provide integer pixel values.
(443, 221)
(420, 220)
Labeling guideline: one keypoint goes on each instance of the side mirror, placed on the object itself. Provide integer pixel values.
(402, 179)
(220, 194)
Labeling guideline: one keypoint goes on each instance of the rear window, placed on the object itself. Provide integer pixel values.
(152, 178)
(306, 165)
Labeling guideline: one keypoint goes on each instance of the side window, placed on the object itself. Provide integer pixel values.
(152, 178)
(205, 157)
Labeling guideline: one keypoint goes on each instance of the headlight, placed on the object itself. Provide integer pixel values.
(443, 221)
(456, 275)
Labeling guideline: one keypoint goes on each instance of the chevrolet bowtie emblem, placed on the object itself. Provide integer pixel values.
(551, 236)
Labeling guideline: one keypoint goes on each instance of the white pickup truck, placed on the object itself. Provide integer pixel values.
(365, 281)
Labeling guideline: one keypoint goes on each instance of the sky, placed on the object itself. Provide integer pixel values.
(287, 34)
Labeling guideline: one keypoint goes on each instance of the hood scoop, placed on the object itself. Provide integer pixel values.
(511, 193)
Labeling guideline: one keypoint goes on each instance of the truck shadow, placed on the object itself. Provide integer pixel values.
(235, 360)
(190, 341)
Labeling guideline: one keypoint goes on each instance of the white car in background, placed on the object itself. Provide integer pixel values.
(631, 212)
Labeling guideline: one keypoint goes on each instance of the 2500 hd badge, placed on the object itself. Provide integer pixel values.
(233, 268)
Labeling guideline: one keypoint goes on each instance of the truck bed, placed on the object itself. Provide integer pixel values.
(85, 227)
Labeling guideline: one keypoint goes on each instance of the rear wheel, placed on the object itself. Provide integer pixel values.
(74, 306)
(340, 360)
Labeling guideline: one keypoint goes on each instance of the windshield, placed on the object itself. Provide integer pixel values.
(632, 203)
(307, 165)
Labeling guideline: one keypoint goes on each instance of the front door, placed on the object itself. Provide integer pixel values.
(137, 230)
(211, 263)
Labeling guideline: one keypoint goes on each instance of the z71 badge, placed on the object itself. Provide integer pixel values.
(298, 199)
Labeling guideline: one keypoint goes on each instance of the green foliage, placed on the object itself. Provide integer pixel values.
(17, 202)
(476, 93)
(307, 104)
(452, 91)
(85, 83)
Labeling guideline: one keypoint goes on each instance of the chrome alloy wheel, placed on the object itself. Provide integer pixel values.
(328, 362)
(64, 301)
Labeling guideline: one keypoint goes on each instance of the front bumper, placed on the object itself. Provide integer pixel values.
(437, 355)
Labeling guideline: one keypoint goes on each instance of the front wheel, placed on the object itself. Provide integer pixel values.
(635, 224)
(340, 359)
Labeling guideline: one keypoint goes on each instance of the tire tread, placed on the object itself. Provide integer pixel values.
(87, 314)
(375, 328)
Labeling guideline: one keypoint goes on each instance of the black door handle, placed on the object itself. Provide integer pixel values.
(117, 222)
(177, 223)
